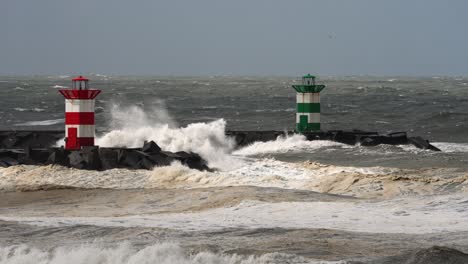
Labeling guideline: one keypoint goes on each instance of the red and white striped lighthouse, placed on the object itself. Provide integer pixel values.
(79, 114)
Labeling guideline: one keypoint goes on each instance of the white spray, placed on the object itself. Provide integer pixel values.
(131, 126)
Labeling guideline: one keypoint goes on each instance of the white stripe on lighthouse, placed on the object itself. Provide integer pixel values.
(82, 130)
(300, 98)
(311, 117)
(79, 105)
(311, 98)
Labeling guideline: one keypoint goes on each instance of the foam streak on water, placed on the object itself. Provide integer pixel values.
(409, 215)
(452, 147)
(42, 123)
(162, 253)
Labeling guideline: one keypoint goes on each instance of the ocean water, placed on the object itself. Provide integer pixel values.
(282, 201)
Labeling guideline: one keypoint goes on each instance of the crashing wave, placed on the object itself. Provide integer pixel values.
(132, 126)
(283, 144)
(162, 253)
(354, 181)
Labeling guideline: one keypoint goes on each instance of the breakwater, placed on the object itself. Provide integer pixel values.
(39, 147)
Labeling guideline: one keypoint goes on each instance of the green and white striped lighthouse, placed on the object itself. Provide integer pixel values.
(308, 104)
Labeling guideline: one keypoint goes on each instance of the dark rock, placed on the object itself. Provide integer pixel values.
(91, 158)
(27, 147)
(438, 255)
(160, 159)
(59, 156)
(345, 137)
(319, 135)
(32, 156)
(76, 160)
(9, 141)
(33, 139)
(369, 141)
(7, 162)
(396, 138)
(421, 143)
(192, 160)
(109, 158)
(129, 158)
(44, 139)
(146, 163)
(11, 153)
(121, 155)
(243, 138)
(433, 255)
(151, 147)
(86, 158)
(39, 156)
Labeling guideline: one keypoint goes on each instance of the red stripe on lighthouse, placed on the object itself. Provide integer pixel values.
(79, 118)
(85, 141)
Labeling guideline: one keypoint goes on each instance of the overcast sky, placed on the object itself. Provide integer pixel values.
(237, 37)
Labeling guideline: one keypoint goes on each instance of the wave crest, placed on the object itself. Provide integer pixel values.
(354, 181)
(163, 253)
(283, 144)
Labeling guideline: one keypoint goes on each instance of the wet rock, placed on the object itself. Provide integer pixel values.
(352, 137)
(59, 156)
(91, 158)
(87, 158)
(160, 159)
(192, 160)
(421, 143)
(9, 140)
(7, 162)
(369, 141)
(27, 147)
(433, 255)
(151, 147)
(76, 160)
(243, 138)
(33, 139)
(40, 156)
(396, 138)
(129, 158)
(109, 158)
(44, 139)
(146, 163)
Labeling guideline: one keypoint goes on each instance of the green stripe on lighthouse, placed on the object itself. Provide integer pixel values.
(308, 107)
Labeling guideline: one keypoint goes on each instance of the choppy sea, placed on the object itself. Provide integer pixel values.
(283, 201)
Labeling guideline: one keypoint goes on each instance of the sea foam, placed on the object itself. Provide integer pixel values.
(283, 144)
(409, 215)
(42, 123)
(162, 253)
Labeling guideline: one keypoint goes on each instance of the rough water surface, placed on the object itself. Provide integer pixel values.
(284, 201)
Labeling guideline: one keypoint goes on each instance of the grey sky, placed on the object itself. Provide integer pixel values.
(241, 37)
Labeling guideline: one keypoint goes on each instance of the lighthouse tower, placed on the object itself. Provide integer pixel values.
(308, 104)
(79, 114)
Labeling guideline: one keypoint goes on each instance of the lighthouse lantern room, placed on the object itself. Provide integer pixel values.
(79, 114)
